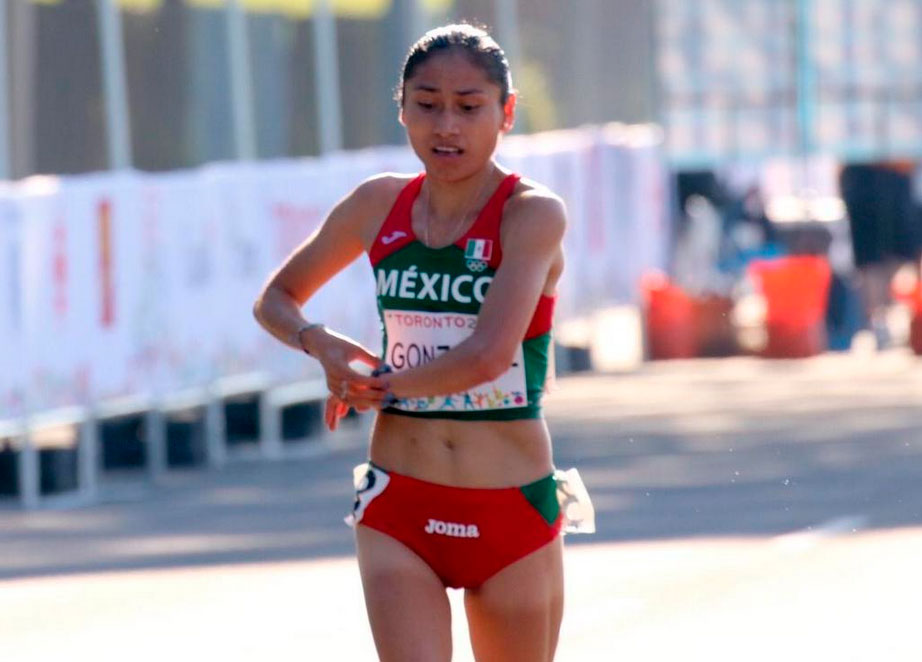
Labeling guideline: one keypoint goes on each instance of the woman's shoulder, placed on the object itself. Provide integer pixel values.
(382, 187)
(367, 205)
(362, 211)
(370, 202)
(534, 204)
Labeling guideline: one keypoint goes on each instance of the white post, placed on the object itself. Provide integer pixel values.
(326, 78)
(118, 129)
(215, 430)
(238, 54)
(88, 457)
(5, 169)
(29, 471)
(270, 426)
(155, 438)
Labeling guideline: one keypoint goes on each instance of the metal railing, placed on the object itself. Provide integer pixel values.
(272, 399)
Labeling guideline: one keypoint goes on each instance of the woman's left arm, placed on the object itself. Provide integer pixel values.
(532, 232)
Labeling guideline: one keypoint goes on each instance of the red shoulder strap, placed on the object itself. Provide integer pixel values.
(486, 226)
(397, 231)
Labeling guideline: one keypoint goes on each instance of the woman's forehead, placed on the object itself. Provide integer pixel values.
(452, 72)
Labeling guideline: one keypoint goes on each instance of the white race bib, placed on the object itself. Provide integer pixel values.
(416, 337)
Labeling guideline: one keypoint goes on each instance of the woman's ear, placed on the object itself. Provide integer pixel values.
(400, 116)
(509, 112)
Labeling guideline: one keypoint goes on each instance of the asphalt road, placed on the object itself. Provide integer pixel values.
(746, 510)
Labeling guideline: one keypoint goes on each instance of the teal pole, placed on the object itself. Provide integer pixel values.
(326, 75)
(238, 52)
(118, 128)
(5, 169)
(806, 78)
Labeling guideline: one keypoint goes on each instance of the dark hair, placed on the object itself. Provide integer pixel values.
(475, 42)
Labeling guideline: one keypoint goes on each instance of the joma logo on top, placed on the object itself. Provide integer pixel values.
(413, 284)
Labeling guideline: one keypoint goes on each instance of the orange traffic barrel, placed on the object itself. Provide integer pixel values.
(915, 327)
(670, 319)
(796, 291)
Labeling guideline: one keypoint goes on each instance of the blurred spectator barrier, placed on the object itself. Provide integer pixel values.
(131, 293)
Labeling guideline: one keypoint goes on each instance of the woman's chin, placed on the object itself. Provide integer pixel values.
(454, 169)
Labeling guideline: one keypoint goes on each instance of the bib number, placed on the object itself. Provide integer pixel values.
(415, 338)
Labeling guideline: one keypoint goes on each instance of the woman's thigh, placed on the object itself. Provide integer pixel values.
(407, 605)
(515, 615)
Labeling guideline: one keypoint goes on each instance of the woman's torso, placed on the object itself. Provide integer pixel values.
(473, 453)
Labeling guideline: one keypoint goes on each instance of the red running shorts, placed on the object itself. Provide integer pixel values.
(466, 535)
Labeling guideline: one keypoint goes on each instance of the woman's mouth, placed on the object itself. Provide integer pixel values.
(447, 150)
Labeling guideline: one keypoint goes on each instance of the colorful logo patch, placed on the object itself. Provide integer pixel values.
(479, 249)
(478, 253)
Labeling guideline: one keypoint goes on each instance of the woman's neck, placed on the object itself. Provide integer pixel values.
(449, 201)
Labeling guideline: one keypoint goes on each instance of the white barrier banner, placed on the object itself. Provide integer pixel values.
(128, 283)
(12, 381)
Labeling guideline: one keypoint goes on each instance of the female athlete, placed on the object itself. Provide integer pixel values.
(460, 488)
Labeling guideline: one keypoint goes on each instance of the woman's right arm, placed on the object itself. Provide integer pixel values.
(337, 243)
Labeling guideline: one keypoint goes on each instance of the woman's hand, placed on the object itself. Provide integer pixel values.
(349, 386)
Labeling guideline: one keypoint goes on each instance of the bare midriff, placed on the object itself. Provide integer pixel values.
(481, 454)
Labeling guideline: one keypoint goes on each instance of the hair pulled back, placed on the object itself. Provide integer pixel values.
(475, 42)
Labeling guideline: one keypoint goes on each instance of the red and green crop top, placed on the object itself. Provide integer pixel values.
(429, 298)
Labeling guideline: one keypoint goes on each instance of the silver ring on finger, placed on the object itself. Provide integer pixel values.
(343, 389)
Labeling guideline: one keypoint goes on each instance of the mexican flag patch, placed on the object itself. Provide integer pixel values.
(479, 249)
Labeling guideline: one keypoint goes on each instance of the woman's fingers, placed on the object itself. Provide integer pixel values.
(366, 381)
(338, 408)
(352, 376)
(345, 381)
(334, 410)
(368, 359)
(354, 388)
(348, 384)
(372, 396)
(330, 413)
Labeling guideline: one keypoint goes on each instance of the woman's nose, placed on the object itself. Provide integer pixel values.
(446, 123)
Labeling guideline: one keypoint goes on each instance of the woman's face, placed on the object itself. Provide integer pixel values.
(453, 115)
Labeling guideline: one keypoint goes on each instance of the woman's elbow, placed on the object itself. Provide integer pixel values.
(258, 309)
(266, 302)
(261, 308)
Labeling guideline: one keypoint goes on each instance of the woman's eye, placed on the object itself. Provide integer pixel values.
(425, 105)
(469, 108)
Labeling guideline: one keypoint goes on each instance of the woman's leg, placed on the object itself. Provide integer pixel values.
(407, 605)
(515, 615)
